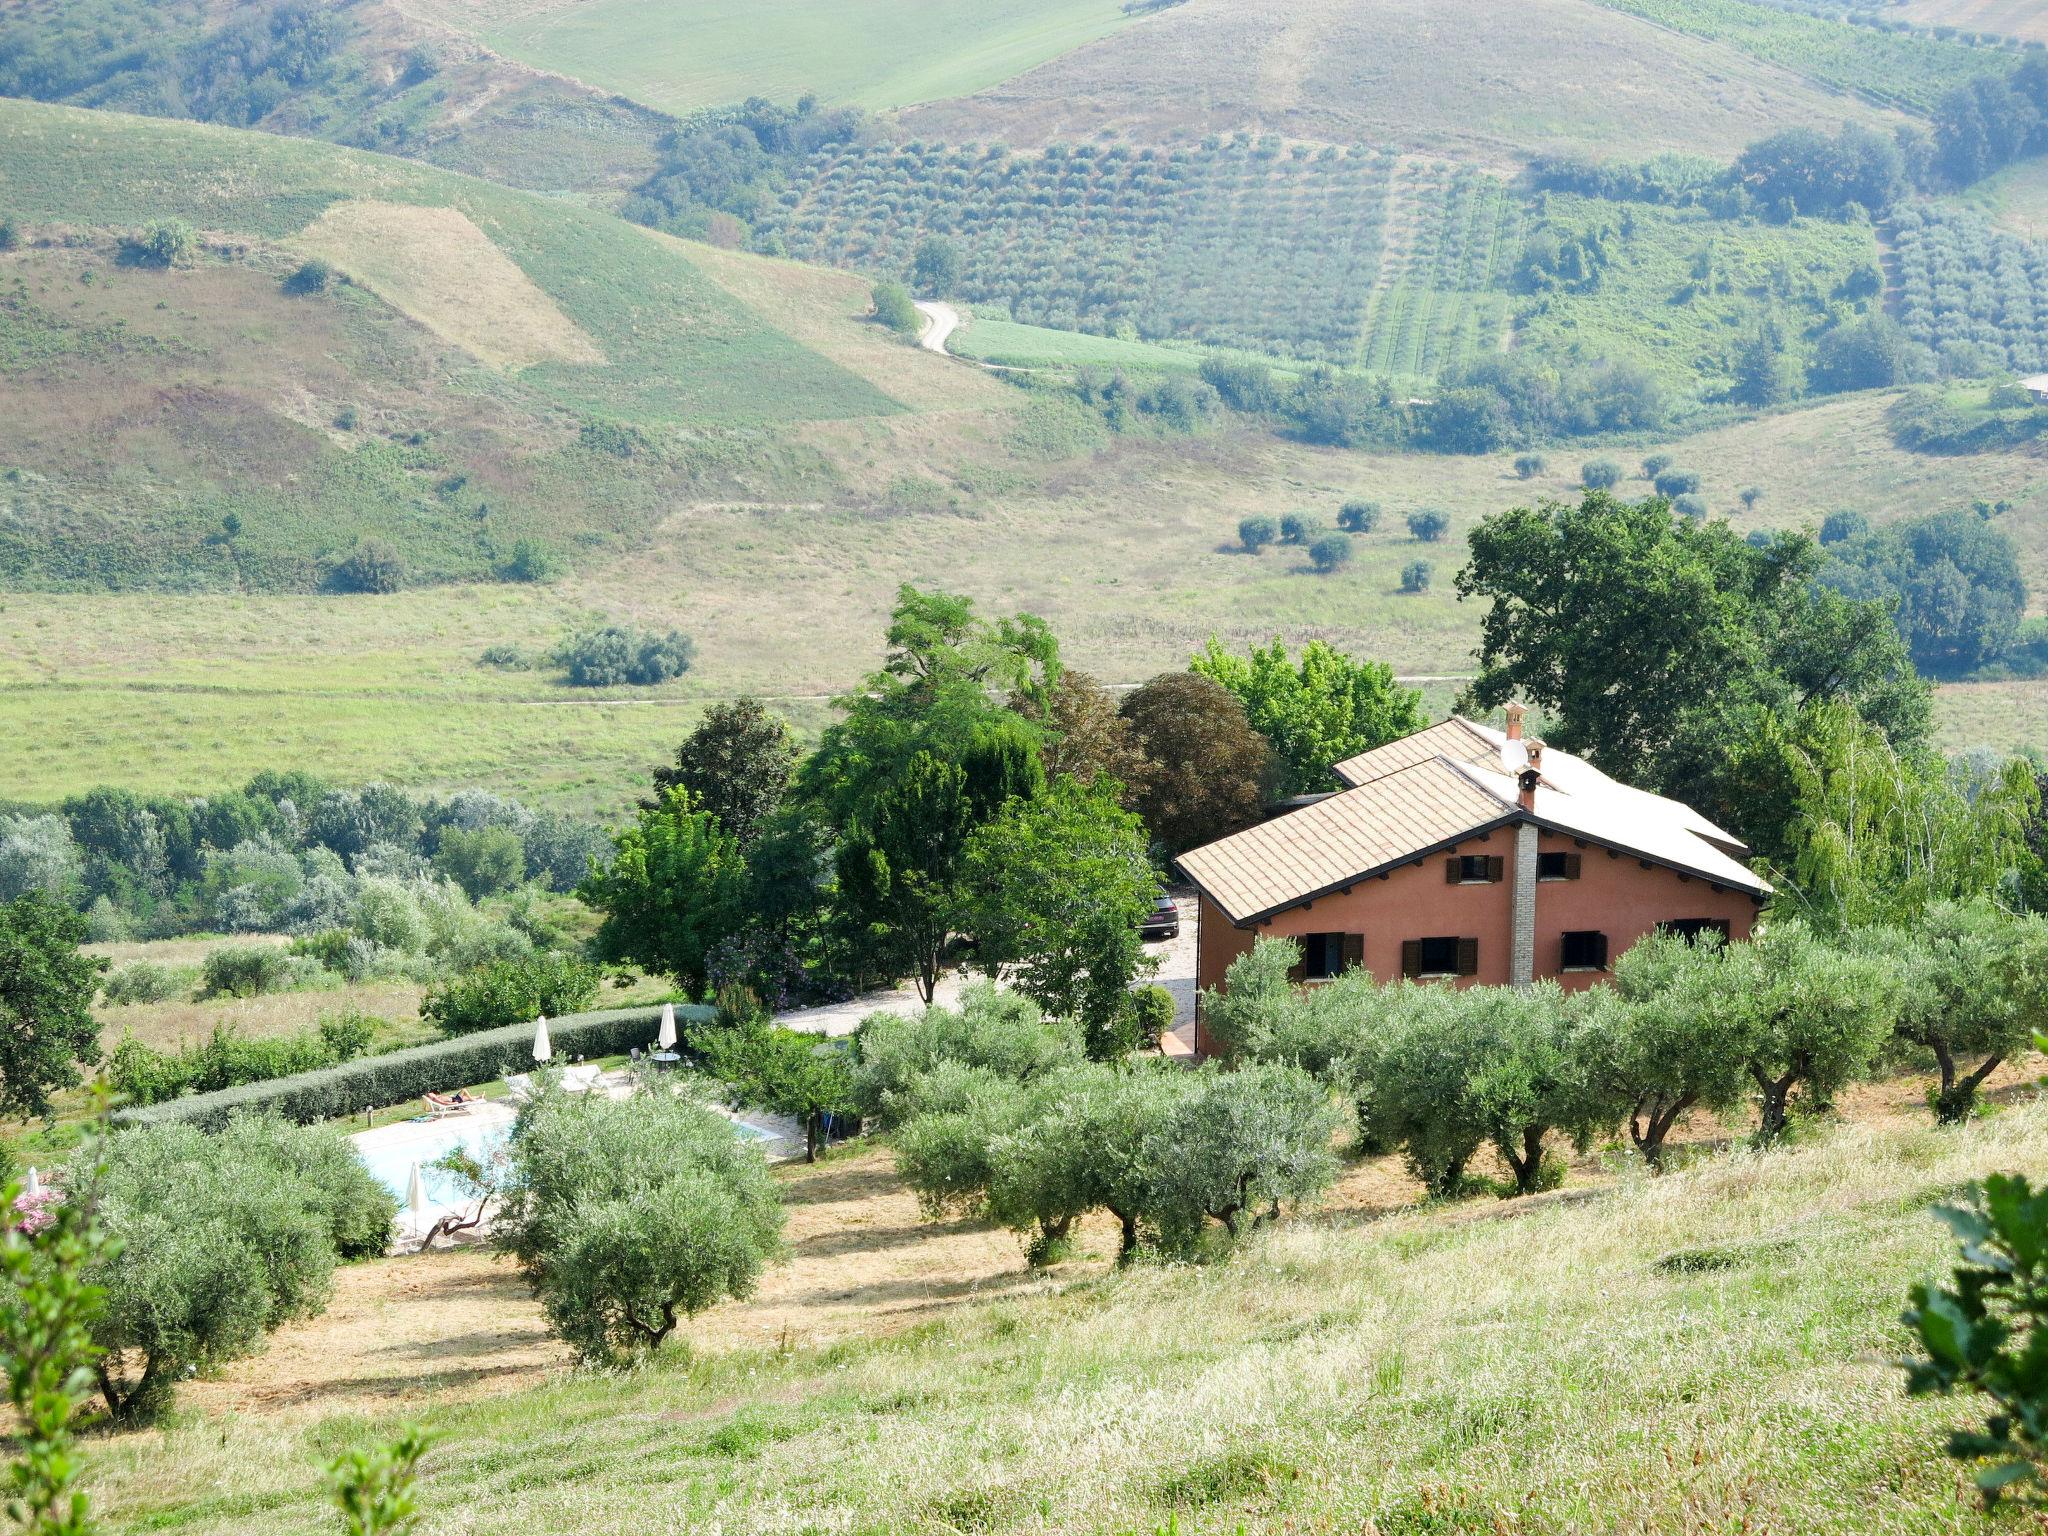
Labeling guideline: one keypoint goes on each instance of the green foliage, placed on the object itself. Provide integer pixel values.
(1428, 525)
(510, 991)
(166, 243)
(1056, 888)
(1255, 533)
(1415, 576)
(1300, 528)
(1970, 292)
(1986, 1332)
(221, 1239)
(1817, 1017)
(484, 861)
(784, 1071)
(46, 990)
(894, 308)
(1871, 353)
(530, 561)
(226, 1059)
(1315, 713)
(936, 267)
(1600, 474)
(374, 565)
(670, 892)
(310, 277)
(48, 1308)
(375, 1489)
(1529, 465)
(1676, 482)
(392, 1077)
(1332, 552)
(1818, 174)
(737, 762)
(1952, 578)
(141, 981)
(1210, 768)
(1358, 516)
(1152, 1009)
(616, 653)
(248, 970)
(628, 1217)
(1690, 506)
(1002, 1035)
(1974, 985)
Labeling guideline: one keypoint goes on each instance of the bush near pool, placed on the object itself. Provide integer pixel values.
(375, 1082)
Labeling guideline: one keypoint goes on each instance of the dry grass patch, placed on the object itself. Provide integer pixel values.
(439, 268)
(165, 1026)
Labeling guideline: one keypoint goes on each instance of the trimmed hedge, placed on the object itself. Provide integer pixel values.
(374, 1082)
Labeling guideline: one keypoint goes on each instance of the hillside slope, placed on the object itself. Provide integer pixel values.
(1468, 77)
(498, 367)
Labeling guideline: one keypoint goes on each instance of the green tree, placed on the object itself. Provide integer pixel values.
(671, 891)
(484, 861)
(1300, 528)
(165, 243)
(1600, 474)
(375, 1489)
(1315, 713)
(1974, 985)
(1084, 738)
(46, 990)
(1255, 533)
(1529, 465)
(893, 307)
(1663, 1042)
(374, 565)
(737, 763)
(805, 1077)
(1359, 516)
(1237, 1146)
(1210, 768)
(1428, 525)
(1331, 552)
(628, 1217)
(1765, 372)
(935, 270)
(1002, 1034)
(1816, 1017)
(1055, 890)
(1415, 576)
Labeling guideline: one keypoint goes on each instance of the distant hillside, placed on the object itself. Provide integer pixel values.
(1471, 77)
(484, 367)
(361, 73)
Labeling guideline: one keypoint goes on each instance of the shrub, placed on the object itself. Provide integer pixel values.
(1676, 482)
(1599, 474)
(484, 861)
(309, 277)
(1837, 526)
(10, 232)
(225, 1059)
(894, 308)
(141, 982)
(1330, 552)
(530, 560)
(1255, 533)
(1750, 495)
(166, 243)
(392, 1077)
(1428, 525)
(615, 654)
(1415, 576)
(506, 658)
(1694, 507)
(220, 1240)
(1529, 465)
(1002, 1033)
(1986, 1332)
(372, 566)
(245, 971)
(1655, 465)
(628, 1217)
(1153, 1007)
(1359, 516)
(508, 991)
(1299, 527)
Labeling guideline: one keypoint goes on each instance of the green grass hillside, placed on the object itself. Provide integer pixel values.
(498, 367)
(1708, 1351)
(886, 54)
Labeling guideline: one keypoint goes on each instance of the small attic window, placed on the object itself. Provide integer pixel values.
(1557, 866)
(1474, 869)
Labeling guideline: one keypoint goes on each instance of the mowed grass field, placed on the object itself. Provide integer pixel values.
(1707, 1351)
(881, 54)
(1473, 78)
(2023, 19)
(1131, 553)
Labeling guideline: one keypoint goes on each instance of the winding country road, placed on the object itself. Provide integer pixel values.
(943, 320)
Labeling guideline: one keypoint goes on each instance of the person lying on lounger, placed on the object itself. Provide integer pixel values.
(461, 1098)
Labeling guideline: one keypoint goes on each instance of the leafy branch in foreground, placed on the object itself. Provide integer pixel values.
(374, 1489)
(1985, 1333)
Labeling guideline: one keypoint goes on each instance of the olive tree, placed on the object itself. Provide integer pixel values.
(1237, 1145)
(628, 1217)
(1816, 1015)
(1004, 1033)
(1973, 987)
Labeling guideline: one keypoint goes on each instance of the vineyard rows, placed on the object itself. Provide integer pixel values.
(1974, 294)
(1238, 242)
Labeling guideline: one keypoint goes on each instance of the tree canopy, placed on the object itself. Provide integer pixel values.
(46, 990)
(1315, 713)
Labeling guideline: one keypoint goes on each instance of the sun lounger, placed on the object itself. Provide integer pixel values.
(580, 1079)
(439, 1104)
(519, 1085)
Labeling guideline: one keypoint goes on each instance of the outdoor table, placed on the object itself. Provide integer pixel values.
(666, 1058)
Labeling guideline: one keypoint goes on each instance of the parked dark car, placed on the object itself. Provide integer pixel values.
(1164, 921)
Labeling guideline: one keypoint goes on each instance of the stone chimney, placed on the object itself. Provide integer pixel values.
(1514, 712)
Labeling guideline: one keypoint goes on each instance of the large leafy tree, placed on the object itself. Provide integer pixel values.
(737, 762)
(1816, 1017)
(806, 1077)
(1085, 737)
(1210, 769)
(46, 992)
(1974, 991)
(1645, 634)
(1056, 888)
(1315, 713)
(671, 892)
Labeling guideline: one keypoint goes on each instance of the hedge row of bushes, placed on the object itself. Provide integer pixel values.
(373, 1082)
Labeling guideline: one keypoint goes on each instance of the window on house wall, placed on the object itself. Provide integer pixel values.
(1690, 928)
(1447, 956)
(1585, 951)
(1474, 869)
(1557, 866)
(1324, 955)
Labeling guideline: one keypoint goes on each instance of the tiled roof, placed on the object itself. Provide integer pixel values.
(1433, 788)
(1456, 738)
(1355, 833)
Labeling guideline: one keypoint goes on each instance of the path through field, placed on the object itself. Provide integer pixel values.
(944, 321)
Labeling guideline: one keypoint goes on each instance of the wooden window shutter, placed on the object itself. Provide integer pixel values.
(1451, 870)
(1600, 950)
(1571, 866)
(1298, 972)
(1354, 951)
(1468, 957)
(1411, 957)
(1496, 868)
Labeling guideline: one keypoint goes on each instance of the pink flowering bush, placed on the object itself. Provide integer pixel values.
(33, 1213)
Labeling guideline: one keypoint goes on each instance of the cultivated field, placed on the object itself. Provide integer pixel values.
(877, 55)
(2009, 18)
(1707, 1351)
(1407, 73)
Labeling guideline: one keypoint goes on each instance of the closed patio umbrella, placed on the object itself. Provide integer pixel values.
(416, 1198)
(543, 1047)
(665, 1037)
(33, 1184)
